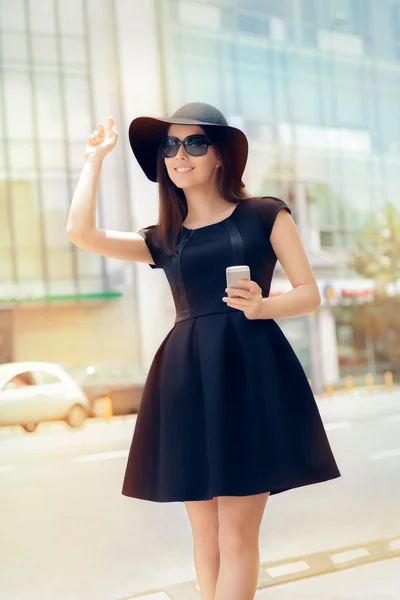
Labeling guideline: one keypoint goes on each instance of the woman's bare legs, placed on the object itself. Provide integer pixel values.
(239, 519)
(203, 517)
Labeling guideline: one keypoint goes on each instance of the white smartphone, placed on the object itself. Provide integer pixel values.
(233, 274)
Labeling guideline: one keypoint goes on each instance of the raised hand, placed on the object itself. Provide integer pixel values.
(99, 143)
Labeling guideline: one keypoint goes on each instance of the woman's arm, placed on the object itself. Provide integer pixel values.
(82, 212)
(81, 224)
(288, 247)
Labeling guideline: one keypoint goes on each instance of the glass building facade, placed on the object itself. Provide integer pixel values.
(315, 85)
(50, 99)
(59, 76)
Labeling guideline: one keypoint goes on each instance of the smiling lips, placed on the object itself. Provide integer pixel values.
(184, 170)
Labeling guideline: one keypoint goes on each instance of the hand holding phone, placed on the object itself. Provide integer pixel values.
(234, 274)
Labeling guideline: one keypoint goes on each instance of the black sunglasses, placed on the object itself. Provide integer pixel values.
(195, 145)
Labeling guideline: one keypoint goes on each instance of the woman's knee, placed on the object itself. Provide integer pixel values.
(239, 522)
(203, 517)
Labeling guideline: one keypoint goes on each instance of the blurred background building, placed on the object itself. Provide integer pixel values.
(315, 85)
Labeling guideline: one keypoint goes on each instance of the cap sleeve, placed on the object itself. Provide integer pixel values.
(267, 209)
(156, 252)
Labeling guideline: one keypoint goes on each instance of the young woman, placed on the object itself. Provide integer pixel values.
(227, 416)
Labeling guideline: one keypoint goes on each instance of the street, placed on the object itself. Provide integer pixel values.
(67, 533)
(377, 581)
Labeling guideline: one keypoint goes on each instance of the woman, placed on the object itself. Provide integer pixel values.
(227, 416)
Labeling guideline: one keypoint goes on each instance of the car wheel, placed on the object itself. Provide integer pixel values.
(76, 416)
(30, 427)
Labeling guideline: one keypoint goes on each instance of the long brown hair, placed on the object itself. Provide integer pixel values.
(172, 200)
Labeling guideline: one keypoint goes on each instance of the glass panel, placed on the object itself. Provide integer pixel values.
(5, 235)
(228, 19)
(12, 15)
(359, 205)
(27, 229)
(390, 117)
(201, 81)
(56, 203)
(60, 266)
(21, 155)
(55, 200)
(263, 7)
(49, 107)
(309, 36)
(304, 93)
(18, 114)
(73, 50)
(196, 45)
(51, 155)
(347, 70)
(255, 95)
(76, 152)
(395, 7)
(44, 49)
(78, 113)
(308, 11)
(42, 19)
(392, 168)
(320, 196)
(201, 16)
(252, 54)
(361, 17)
(71, 17)
(254, 25)
(302, 64)
(279, 60)
(356, 169)
(89, 265)
(14, 47)
(392, 193)
(279, 89)
(350, 107)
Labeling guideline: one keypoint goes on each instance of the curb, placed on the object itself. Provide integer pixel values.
(293, 569)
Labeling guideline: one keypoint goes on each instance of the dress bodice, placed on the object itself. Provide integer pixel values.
(196, 272)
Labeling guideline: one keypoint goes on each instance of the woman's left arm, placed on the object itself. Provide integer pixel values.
(288, 247)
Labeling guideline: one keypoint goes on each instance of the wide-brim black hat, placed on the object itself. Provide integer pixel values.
(145, 134)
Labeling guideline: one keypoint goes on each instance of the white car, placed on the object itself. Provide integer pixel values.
(31, 392)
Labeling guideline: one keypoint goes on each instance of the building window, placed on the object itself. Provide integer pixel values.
(255, 25)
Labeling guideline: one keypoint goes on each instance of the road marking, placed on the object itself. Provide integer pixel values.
(6, 468)
(101, 456)
(394, 544)
(285, 569)
(385, 454)
(298, 568)
(342, 557)
(339, 425)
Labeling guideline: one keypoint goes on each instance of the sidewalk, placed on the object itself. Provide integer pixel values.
(373, 581)
(369, 571)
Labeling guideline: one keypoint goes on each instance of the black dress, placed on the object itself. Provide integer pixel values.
(226, 409)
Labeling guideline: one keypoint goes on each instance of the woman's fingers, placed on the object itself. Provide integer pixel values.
(97, 136)
(106, 142)
(112, 129)
(100, 127)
